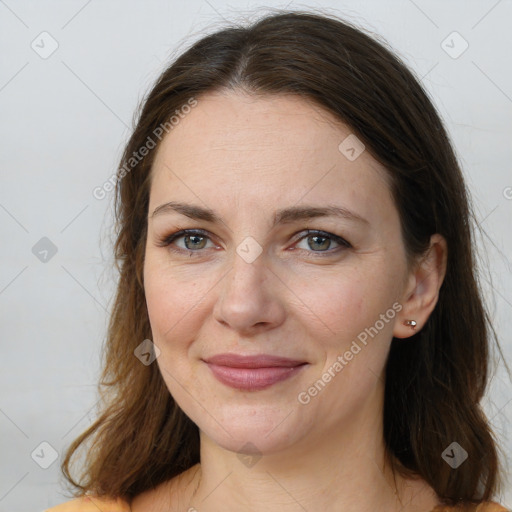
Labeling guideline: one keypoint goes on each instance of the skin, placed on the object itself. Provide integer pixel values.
(92, 504)
(246, 157)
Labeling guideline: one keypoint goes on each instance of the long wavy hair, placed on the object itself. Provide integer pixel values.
(434, 381)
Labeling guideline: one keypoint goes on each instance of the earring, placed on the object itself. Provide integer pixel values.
(411, 323)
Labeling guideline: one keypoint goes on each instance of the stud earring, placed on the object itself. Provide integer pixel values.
(411, 323)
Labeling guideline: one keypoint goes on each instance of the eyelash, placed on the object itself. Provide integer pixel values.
(168, 240)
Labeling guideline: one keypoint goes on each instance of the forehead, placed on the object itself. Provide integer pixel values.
(263, 149)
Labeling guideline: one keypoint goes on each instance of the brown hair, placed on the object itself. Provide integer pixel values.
(434, 381)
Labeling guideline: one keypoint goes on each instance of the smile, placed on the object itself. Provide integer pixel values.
(253, 373)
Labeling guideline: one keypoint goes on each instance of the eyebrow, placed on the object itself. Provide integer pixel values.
(283, 216)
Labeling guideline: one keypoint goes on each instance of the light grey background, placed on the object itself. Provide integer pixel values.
(64, 120)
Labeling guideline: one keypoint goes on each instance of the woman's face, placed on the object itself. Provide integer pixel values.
(251, 176)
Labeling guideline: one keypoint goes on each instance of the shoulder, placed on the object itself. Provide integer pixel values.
(491, 506)
(92, 504)
(488, 506)
(159, 498)
(169, 494)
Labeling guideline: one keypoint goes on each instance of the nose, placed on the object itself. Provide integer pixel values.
(250, 297)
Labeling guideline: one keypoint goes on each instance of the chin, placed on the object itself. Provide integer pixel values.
(253, 430)
(250, 442)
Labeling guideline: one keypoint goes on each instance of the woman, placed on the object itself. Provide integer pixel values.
(297, 324)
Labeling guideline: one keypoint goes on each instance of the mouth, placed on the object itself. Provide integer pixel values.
(253, 373)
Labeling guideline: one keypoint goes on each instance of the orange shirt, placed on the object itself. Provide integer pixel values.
(119, 505)
(489, 506)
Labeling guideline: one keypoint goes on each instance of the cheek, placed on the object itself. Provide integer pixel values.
(355, 348)
(175, 314)
(174, 298)
(346, 301)
(353, 318)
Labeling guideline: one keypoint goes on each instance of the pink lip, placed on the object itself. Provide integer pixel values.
(252, 373)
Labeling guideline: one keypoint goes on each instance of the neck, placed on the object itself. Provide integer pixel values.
(345, 469)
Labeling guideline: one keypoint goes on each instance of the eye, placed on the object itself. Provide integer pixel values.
(193, 241)
(321, 242)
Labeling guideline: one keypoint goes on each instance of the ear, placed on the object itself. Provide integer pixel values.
(422, 289)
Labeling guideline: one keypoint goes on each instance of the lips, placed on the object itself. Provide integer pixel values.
(258, 361)
(252, 373)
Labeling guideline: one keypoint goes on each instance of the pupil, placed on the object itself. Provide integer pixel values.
(196, 237)
(316, 238)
